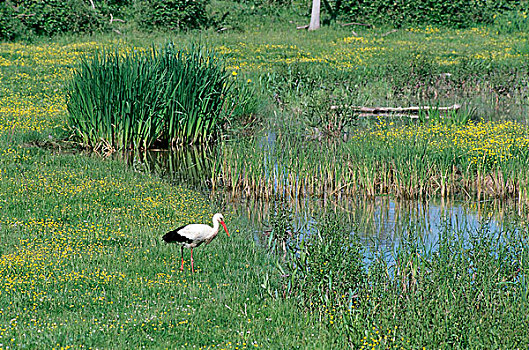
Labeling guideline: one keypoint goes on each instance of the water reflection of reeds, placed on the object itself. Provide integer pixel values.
(193, 165)
(260, 170)
(383, 221)
(378, 220)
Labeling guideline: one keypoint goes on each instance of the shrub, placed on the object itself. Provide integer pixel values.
(245, 106)
(512, 22)
(10, 26)
(138, 99)
(25, 17)
(454, 13)
(171, 14)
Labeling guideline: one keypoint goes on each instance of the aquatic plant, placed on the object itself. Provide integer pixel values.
(326, 268)
(165, 96)
(467, 284)
(407, 161)
(464, 284)
(280, 226)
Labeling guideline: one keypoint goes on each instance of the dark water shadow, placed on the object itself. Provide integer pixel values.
(192, 165)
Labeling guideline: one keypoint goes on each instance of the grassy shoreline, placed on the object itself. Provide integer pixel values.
(83, 264)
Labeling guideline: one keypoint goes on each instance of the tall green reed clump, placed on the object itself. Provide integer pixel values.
(137, 99)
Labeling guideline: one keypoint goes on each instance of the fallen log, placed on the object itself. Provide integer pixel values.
(393, 110)
(388, 33)
(112, 19)
(358, 24)
(399, 115)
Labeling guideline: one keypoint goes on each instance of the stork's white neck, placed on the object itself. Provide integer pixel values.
(216, 225)
(217, 218)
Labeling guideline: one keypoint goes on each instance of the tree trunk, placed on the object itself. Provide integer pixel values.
(315, 15)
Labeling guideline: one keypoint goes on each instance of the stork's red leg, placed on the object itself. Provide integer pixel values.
(182, 266)
(192, 269)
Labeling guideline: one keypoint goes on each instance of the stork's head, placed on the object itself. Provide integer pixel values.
(220, 219)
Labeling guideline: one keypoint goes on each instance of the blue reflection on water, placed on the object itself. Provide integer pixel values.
(383, 224)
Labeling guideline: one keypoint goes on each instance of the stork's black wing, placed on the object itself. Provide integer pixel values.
(175, 237)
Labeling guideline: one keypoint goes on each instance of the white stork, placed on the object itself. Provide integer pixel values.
(193, 235)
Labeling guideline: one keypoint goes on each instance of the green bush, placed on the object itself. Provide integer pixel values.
(10, 26)
(26, 18)
(138, 99)
(453, 13)
(512, 22)
(171, 14)
(245, 106)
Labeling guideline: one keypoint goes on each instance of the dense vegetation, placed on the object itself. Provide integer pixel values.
(26, 18)
(459, 13)
(81, 259)
(140, 99)
(462, 291)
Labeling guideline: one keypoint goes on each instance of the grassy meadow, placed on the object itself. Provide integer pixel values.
(82, 262)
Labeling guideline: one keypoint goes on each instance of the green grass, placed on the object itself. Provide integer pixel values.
(81, 256)
(81, 259)
(82, 263)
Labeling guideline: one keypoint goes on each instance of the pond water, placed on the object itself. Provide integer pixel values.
(380, 223)
(384, 222)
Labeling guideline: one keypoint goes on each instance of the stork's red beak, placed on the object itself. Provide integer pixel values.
(225, 228)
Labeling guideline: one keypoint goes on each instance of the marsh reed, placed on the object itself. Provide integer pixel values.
(466, 281)
(137, 99)
(419, 166)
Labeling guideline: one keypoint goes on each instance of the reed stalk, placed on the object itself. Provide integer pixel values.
(368, 167)
(138, 99)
